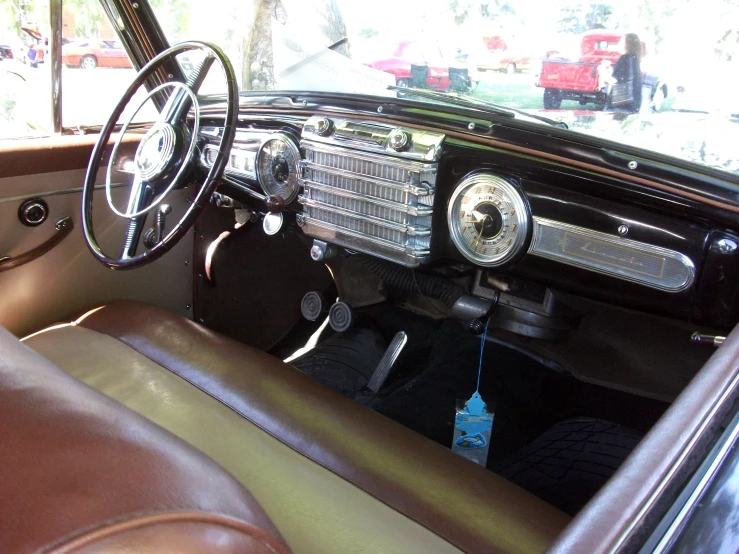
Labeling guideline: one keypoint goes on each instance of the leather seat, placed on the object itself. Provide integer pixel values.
(332, 475)
(81, 473)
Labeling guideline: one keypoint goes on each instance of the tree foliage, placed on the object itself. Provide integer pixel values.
(492, 10)
(578, 18)
(88, 16)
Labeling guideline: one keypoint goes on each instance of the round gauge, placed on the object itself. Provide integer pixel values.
(277, 167)
(488, 219)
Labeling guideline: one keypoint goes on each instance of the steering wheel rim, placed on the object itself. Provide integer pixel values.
(212, 53)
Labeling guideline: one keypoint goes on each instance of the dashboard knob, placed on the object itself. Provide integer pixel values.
(399, 140)
(324, 126)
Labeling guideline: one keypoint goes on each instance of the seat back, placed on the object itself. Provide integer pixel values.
(459, 78)
(419, 76)
(83, 473)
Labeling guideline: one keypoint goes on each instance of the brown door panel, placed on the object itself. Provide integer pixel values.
(68, 280)
(52, 154)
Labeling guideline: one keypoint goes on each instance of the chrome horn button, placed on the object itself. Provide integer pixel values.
(155, 151)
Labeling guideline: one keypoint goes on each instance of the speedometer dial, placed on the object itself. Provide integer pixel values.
(488, 219)
(277, 167)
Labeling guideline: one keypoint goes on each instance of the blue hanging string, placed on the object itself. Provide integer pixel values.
(482, 351)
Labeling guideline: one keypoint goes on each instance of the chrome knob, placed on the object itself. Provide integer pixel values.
(324, 126)
(726, 246)
(33, 212)
(399, 140)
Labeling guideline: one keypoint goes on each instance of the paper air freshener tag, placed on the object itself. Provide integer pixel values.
(472, 428)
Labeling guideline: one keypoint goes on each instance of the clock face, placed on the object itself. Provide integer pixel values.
(488, 219)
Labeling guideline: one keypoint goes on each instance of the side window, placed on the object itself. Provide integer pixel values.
(96, 69)
(25, 92)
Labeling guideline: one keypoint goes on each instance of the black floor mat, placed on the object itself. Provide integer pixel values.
(528, 397)
(439, 365)
(344, 361)
(570, 462)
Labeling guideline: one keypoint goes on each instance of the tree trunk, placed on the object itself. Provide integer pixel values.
(258, 70)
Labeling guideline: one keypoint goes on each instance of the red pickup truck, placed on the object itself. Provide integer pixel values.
(584, 79)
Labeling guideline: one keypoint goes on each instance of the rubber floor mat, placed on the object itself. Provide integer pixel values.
(571, 461)
(344, 361)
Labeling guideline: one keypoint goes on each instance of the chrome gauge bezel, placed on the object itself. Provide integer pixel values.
(510, 242)
(265, 181)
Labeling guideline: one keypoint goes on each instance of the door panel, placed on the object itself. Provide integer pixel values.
(68, 280)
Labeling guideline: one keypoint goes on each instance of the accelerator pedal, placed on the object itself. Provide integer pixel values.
(379, 376)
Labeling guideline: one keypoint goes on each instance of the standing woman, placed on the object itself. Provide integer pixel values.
(625, 94)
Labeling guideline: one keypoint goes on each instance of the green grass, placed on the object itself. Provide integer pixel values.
(520, 91)
(515, 91)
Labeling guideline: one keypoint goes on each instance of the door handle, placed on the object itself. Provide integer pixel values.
(63, 227)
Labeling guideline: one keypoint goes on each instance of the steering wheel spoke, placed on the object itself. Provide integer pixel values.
(179, 102)
(163, 157)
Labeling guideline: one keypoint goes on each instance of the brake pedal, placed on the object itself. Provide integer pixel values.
(386, 363)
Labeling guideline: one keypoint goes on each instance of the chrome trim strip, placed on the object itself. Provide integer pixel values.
(366, 135)
(425, 189)
(387, 250)
(687, 450)
(422, 211)
(55, 54)
(546, 229)
(409, 229)
(723, 452)
(410, 165)
(244, 188)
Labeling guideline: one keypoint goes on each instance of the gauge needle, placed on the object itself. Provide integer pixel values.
(479, 235)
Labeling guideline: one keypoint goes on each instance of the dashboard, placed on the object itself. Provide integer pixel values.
(418, 197)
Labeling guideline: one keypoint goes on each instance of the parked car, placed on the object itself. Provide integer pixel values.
(509, 62)
(408, 53)
(583, 78)
(6, 52)
(92, 53)
(497, 55)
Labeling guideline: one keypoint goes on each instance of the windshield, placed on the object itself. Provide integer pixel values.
(662, 75)
(657, 74)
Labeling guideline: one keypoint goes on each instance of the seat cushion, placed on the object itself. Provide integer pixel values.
(333, 475)
(82, 473)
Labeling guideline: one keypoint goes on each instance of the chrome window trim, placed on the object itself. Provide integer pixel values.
(55, 54)
(541, 225)
(695, 489)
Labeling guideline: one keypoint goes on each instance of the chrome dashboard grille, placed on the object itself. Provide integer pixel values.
(369, 201)
(359, 166)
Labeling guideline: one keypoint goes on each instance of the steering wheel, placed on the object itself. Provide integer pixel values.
(164, 158)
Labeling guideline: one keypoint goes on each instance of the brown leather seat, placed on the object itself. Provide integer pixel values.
(334, 476)
(81, 473)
